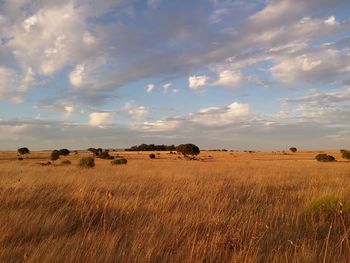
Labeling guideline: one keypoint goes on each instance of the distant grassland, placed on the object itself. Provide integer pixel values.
(231, 207)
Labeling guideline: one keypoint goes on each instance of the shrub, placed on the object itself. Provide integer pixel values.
(105, 155)
(55, 155)
(346, 154)
(322, 157)
(293, 149)
(152, 156)
(119, 161)
(66, 162)
(64, 152)
(20, 159)
(86, 162)
(188, 149)
(23, 150)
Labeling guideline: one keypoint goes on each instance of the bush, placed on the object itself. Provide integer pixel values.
(322, 157)
(346, 154)
(64, 152)
(293, 149)
(152, 156)
(23, 150)
(86, 162)
(119, 161)
(66, 162)
(188, 149)
(55, 155)
(105, 155)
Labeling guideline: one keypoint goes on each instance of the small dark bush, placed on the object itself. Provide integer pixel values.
(64, 152)
(86, 162)
(105, 155)
(293, 149)
(119, 161)
(322, 157)
(23, 150)
(20, 159)
(152, 156)
(66, 162)
(345, 154)
(55, 155)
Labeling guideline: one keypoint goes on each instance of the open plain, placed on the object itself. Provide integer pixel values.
(225, 207)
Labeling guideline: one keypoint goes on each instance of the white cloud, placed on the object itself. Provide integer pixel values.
(101, 118)
(230, 78)
(331, 21)
(77, 75)
(195, 82)
(150, 88)
(69, 109)
(162, 125)
(136, 112)
(319, 64)
(166, 87)
(219, 116)
(210, 117)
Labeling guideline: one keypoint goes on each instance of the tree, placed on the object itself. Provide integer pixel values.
(93, 151)
(345, 154)
(188, 149)
(293, 149)
(55, 155)
(64, 152)
(152, 156)
(23, 151)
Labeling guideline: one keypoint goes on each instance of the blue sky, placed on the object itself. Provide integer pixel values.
(235, 74)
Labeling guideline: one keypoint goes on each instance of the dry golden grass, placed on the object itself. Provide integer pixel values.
(232, 207)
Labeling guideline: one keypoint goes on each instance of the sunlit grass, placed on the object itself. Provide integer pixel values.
(231, 207)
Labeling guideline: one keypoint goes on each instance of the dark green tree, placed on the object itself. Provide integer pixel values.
(55, 155)
(188, 149)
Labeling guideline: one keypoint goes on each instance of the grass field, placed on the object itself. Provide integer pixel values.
(230, 207)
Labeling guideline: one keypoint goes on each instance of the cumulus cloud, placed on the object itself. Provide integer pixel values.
(208, 117)
(230, 78)
(195, 82)
(101, 119)
(220, 116)
(136, 112)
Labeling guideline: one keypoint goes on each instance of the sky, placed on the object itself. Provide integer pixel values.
(234, 74)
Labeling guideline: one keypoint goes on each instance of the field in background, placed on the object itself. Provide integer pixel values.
(229, 207)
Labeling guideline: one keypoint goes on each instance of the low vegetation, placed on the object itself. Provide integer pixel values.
(293, 149)
(55, 155)
(66, 162)
(86, 162)
(345, 154)
(322, 157)
(23, 151)
(119, 161)
(151, 147)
